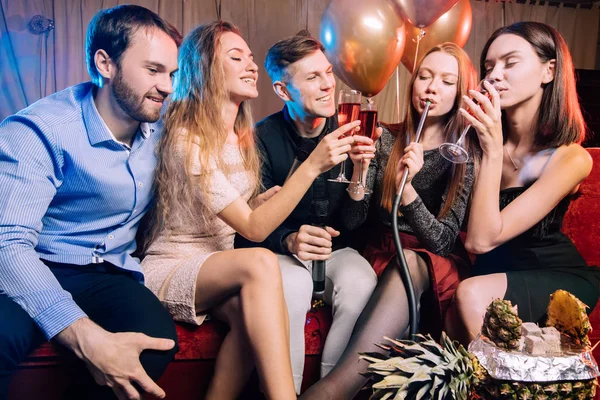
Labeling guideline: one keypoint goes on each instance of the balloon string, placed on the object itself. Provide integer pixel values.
(420, 36)
(218, 9)
(398, 92)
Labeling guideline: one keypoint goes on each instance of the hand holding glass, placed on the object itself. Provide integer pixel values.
(368, 125)
(456, 152)
(348, 110)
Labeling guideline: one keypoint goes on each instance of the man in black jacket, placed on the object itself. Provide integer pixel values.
(303, 78)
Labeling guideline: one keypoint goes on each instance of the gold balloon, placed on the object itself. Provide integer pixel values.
(422, 13)
(453, 26)
(363, 41)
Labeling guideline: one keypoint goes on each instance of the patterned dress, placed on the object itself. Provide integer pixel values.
(173, 260)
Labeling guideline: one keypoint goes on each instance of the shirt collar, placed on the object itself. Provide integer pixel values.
(97, 129)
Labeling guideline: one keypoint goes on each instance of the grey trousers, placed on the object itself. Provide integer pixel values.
(349, 282)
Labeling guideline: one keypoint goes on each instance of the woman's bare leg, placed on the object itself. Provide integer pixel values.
(386, 314)
(473, 295)
(234, 362)
(254, 275)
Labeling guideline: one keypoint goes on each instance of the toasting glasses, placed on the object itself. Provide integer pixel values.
(456, 152)
(348, 109)
(368, 124)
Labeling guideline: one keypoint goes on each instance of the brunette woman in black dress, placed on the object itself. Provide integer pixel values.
(532, 163)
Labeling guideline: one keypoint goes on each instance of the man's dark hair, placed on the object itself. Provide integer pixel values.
(112, 30)
(289, 50)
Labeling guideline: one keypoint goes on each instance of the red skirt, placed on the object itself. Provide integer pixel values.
(445, 273)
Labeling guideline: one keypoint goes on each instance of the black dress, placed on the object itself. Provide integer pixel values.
(540, 261)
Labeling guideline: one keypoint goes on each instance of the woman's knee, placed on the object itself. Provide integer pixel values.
(262, 266)
(469, 297)
(418, 269)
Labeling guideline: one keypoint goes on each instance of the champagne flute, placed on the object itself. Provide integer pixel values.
(456, 152)
(368, 124)
(348, 109)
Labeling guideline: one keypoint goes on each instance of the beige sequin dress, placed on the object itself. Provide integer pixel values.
(173, 261)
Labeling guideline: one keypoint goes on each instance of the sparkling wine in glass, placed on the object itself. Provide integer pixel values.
(348, 110)
(456, 152)
(368, 124)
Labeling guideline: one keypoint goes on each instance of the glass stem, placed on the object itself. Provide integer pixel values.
(360, 174)
(461, 138)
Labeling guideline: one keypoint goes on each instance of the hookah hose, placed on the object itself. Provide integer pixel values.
(402, 264)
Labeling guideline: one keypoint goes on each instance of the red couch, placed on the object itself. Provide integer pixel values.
(48, 371)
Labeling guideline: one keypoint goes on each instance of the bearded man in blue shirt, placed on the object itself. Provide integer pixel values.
(76, 172)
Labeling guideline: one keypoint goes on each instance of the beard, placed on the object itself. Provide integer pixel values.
(131, 102)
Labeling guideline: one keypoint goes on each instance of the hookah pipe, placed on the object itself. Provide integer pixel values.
(402, 264)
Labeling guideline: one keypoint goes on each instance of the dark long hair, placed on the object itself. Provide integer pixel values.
(559, 119)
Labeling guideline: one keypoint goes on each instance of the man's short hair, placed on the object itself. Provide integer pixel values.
(289, 50)
(112, 30)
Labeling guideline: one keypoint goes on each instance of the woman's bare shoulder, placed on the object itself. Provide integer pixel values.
(577, 158)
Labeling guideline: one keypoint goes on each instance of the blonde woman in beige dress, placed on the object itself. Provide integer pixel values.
(208, 172)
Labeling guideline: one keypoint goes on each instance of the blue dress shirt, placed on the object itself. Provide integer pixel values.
(69, 193)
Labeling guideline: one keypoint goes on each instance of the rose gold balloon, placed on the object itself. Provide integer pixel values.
(422, 13)
(363, 41)
(453, 26)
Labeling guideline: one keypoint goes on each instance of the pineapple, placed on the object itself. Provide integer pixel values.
(568, 314)
(501, 390)
(502, 325)
(423, 369)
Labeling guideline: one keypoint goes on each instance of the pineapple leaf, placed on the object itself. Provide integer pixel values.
(391, 382)
(381, 395)
(369, 357)
(423, 393)
(386, 365)
(438, 383)
(374, 354)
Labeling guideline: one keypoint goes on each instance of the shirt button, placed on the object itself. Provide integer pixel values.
(140, 184)
(111, 237)
(134, 210)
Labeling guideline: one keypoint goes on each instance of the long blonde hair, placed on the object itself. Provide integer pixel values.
(404, 132)
(195, 132)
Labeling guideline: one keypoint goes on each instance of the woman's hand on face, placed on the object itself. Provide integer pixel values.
(487, 120)
(413, 160)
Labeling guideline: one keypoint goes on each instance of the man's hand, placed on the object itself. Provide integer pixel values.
(311, 242)
(261, 198)
(114, 358)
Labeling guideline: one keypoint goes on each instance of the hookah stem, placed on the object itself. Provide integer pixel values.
(402, 264)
